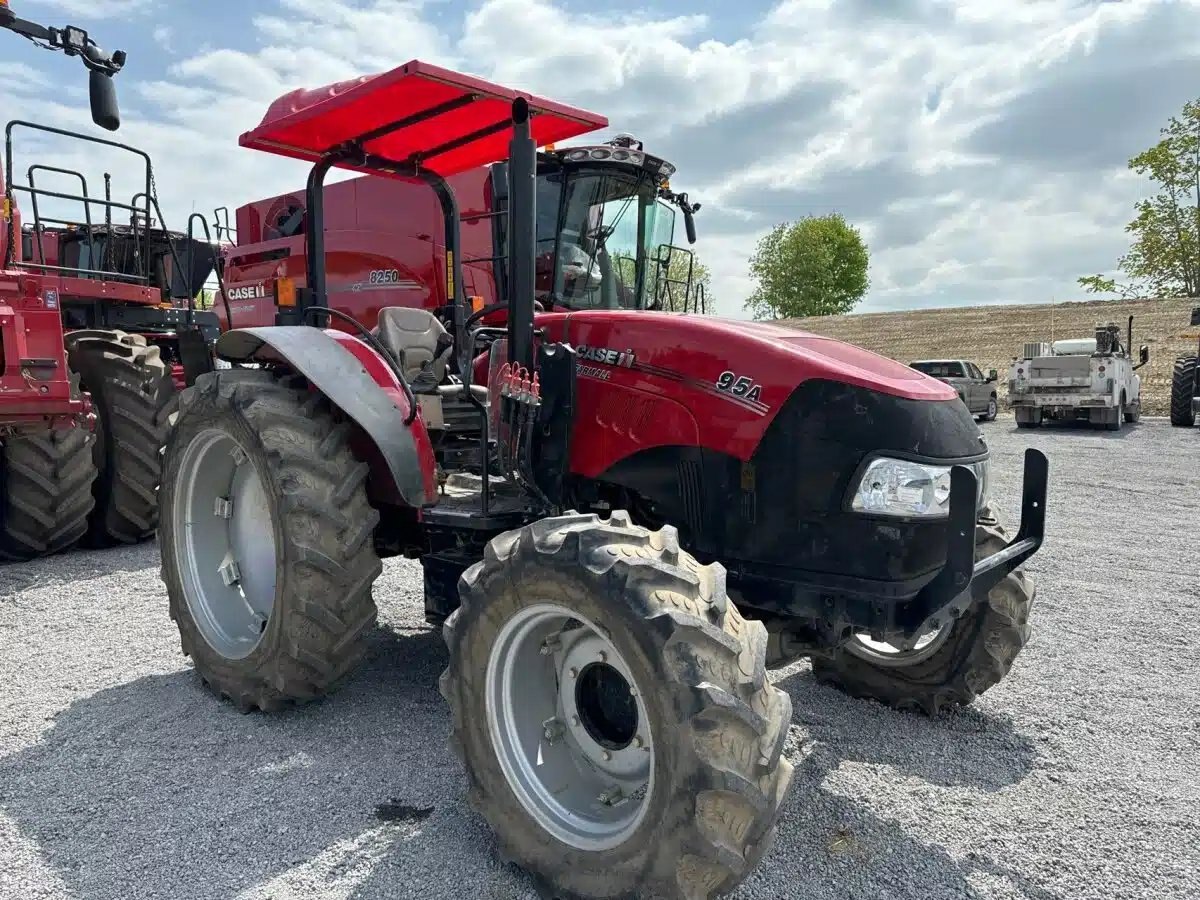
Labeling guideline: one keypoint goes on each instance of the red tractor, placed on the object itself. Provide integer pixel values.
(649, 509)
(96, 318)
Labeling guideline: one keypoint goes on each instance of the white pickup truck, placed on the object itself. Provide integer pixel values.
(1089, 379)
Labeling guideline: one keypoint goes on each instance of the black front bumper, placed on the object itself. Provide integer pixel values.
(952, 590)
(900, 611)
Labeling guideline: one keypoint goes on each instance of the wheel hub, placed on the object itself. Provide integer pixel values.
(224, 540)
(569, 727)
(890, 654)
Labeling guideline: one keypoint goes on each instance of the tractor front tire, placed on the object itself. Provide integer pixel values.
(45, 492)
(133, 397)
(266, 539)
(976, 653)
(613, 712)
(1183, 389)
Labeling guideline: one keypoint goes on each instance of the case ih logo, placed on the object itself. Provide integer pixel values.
(624, 359)
(249, 292)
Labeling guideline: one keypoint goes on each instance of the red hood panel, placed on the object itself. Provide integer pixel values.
(658, 379)
(795, 355)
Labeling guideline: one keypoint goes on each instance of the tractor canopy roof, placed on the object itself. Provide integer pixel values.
(417, 114)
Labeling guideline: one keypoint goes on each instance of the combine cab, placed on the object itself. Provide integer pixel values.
(96, 319)
(651, 509)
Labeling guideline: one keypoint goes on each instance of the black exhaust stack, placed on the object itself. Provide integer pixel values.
(522, 236)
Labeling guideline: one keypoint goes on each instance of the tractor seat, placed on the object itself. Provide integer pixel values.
(419, 341)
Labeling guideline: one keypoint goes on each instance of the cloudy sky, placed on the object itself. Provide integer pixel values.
(979, 144)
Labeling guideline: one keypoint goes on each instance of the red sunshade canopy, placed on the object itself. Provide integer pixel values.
(448, 122)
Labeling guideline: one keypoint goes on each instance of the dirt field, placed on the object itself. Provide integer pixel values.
(991, 336)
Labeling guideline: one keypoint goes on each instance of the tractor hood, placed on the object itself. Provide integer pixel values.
(664, 378)
(778, 357)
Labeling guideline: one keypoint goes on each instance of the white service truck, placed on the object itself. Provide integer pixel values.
(1087, 379)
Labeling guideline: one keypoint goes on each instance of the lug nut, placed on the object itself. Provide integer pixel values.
(603, 656)
(574, 672)
(638, 742)
(606, 756)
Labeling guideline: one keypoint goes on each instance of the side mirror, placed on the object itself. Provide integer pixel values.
(105, 112)
(689, 225)
(993, 375)
(1144, 354)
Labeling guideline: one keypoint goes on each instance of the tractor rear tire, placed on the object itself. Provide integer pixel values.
(45, 492)
(1183, 389)
(710, 726)
(133, 396)
(299, 554)
(976, 654)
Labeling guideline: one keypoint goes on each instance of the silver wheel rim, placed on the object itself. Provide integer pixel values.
(991, 409)
(224, 540)
(890, 655)
(575, 748)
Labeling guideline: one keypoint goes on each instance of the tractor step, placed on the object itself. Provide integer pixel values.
(461, 505)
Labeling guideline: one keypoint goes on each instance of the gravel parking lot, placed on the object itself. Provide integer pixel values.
(1079, 777)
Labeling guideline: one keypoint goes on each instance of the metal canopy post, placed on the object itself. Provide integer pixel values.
(314, 243)
(522, 235)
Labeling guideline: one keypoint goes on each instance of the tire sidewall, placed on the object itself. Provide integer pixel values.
(209, 411)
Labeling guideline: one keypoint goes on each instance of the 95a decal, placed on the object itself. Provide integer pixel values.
(739, 386)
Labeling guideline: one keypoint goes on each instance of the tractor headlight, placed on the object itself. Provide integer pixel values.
(906, 489)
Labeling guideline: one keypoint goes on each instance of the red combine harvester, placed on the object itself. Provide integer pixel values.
(650, 510)
(96, 318)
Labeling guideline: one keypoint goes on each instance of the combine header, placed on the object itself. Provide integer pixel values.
(651, 509)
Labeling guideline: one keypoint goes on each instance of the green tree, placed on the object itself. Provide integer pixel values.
(815, 267)
(1164, 258)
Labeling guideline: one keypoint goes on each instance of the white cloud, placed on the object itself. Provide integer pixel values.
(980, 145)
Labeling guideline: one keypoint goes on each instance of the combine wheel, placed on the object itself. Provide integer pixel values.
(950, 666)
(1183, 389)
(132, 395)
(45, 492)
(266, 539)
(613, 712)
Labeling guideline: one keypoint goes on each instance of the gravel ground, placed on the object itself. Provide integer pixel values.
(120, 777)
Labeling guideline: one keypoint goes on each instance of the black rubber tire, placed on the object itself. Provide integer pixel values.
(1133, 412)
(1031, 418)
(133, 397)
(1183, 386)
(323, 523)
(45, 492)
(977, 655)
(1117, 415)
(993, 409)
(719, 725)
